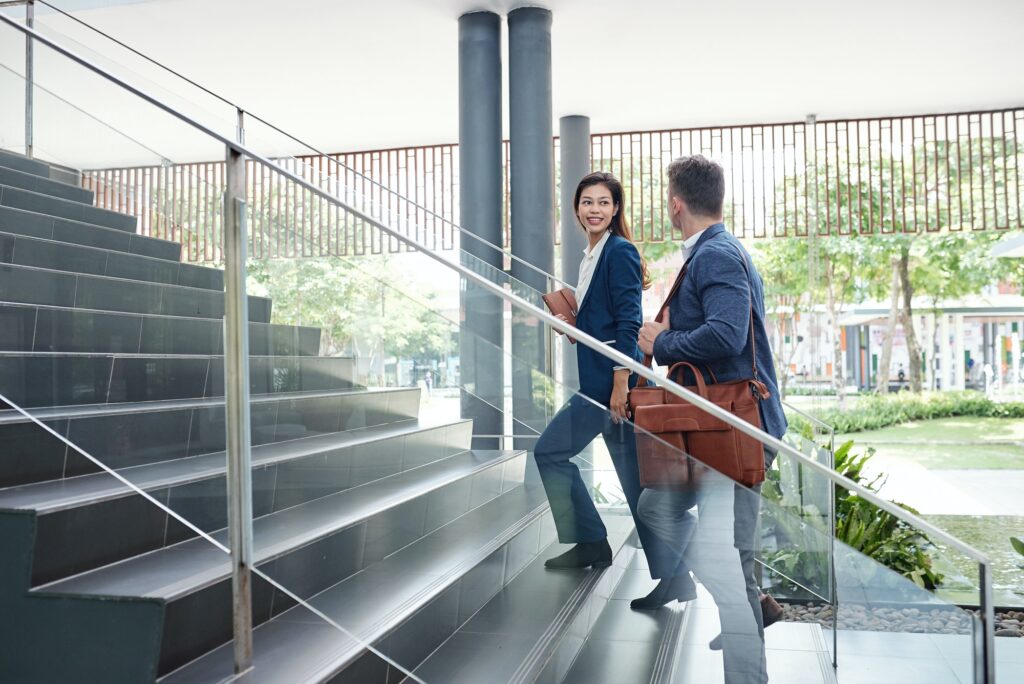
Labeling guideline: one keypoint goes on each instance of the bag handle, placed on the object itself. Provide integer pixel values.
(702, 388)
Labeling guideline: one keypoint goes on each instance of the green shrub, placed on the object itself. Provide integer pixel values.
(879, 411)
(859, 524)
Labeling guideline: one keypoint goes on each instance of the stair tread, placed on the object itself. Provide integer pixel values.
(74, 288)
(19, 162)
(370, 603)
(13, 220)
(64, 208)
(176, 570)
(20, 179)
(9, 416)
(56, 495)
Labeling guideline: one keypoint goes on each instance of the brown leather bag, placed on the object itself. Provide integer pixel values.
(563, 302)
(669, 427)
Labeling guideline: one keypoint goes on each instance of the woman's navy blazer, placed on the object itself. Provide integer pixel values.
(611, 311)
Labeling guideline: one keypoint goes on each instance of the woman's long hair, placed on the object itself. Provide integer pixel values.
(619, 226)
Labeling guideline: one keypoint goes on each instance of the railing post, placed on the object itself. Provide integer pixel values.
(985, 642)
(30, 20)
(236, 391)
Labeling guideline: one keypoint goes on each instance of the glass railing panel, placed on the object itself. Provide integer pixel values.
(798, 511)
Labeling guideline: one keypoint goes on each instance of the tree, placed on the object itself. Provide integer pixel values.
(369, 307)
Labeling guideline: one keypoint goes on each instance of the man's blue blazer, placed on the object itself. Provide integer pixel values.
(710, 319)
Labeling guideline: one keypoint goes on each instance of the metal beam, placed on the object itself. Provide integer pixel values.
(30, 20)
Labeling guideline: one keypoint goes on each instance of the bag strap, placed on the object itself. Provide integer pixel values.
(750, 306)
(649, 358)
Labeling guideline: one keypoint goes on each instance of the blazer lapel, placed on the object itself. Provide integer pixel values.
(598, 271)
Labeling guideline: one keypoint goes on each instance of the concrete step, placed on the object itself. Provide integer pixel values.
(44, 186)
(126, 435)
(52, 255)
(52, 206)
(307, 548)
(30, 327)
(32, 285)
(405, 605)
(32, 224)
(68, 513)
(34, 380)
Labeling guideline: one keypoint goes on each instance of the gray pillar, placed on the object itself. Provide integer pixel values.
(532, 186)
(574, 138)
(480, 206)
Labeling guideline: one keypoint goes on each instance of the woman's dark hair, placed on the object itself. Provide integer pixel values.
(619, 226)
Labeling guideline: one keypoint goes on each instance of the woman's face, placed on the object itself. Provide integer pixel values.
(596, 208)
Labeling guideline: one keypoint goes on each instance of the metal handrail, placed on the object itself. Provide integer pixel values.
(583, 337)
(383, 188)
(804, 414)
(984, 642)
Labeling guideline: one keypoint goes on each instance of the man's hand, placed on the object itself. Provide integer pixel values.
(650, 331)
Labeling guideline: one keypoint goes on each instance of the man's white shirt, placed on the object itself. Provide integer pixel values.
(689, 243)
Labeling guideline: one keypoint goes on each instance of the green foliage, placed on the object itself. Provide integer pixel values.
(1018, 546)
(879, 411)
(358, 313)
(859, 524)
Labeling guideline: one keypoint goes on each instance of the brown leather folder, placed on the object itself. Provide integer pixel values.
(563, 302)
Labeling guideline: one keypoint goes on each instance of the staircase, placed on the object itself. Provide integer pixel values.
(390, 527)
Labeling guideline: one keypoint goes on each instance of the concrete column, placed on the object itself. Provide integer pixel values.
(574, 138)
(532, 189)
(928, 344)
(959, 366)
(480, 206)
(945, 352)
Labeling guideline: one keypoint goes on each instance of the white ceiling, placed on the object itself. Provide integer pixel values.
(349, 75)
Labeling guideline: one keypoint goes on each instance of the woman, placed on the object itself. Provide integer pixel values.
(612, 277)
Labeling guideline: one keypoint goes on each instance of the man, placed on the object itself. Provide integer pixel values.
(716, 322)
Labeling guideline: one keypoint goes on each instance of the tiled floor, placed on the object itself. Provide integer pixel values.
(792, 651)
(907, 658)
(864, 657)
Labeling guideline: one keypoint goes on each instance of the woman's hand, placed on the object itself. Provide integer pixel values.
(618, 403)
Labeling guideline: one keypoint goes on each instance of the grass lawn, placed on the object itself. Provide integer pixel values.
(949, 443)
(961, 429)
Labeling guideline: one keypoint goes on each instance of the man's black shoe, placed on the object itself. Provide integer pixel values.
(593, 554)
(679, 588)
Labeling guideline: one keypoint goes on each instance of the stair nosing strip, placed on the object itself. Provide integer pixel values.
(547, 644)
(664, 670)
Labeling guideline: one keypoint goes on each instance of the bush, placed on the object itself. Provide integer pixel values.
(859, 524)
(879, 411)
